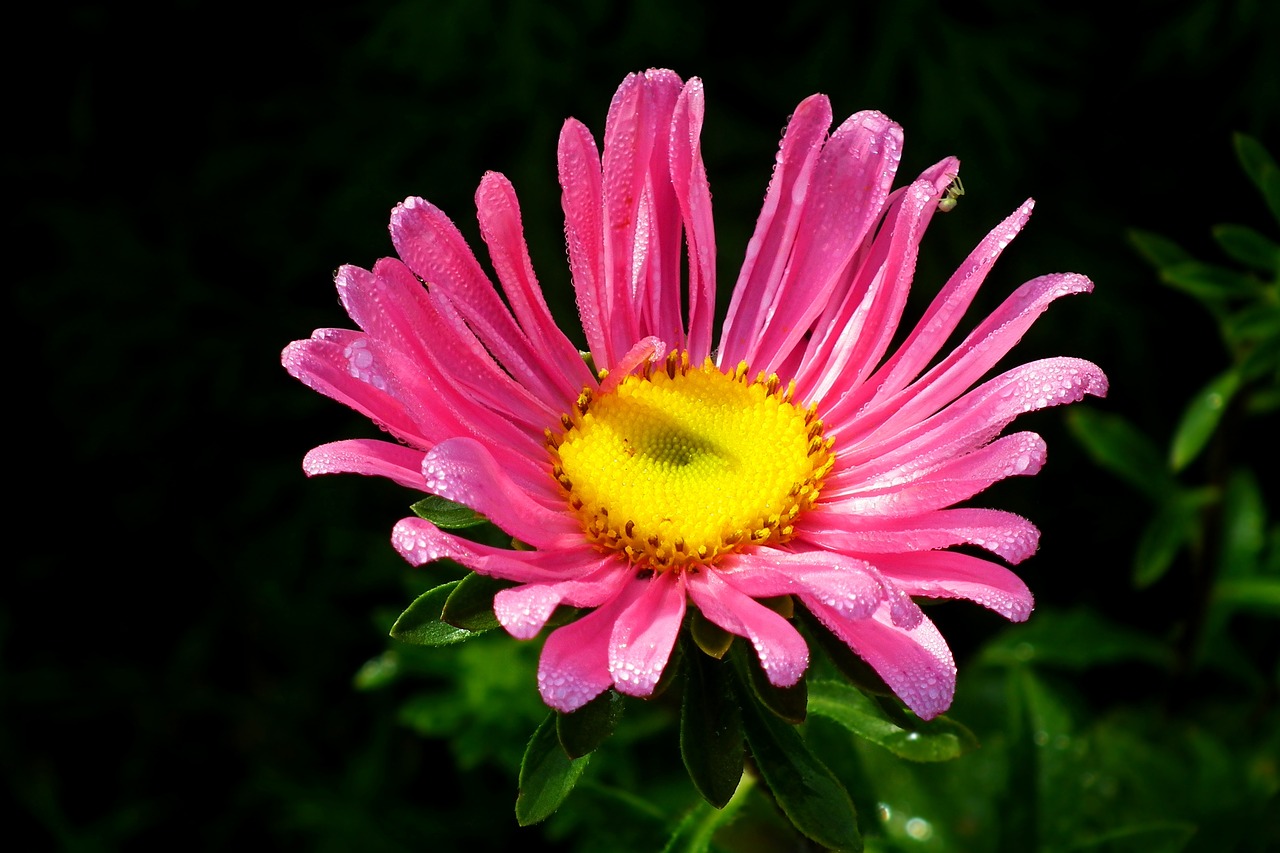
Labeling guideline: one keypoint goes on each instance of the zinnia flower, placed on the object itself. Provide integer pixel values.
(665, 468)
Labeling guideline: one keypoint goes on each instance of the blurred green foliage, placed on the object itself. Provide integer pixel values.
(193, 637)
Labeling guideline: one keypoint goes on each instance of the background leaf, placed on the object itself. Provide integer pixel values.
(547, 775)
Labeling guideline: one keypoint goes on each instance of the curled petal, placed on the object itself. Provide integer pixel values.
(420, 542)
(949, 574)
(465, 471)
(523, 610)
(915, 662)
(782, 651)
(369, 457)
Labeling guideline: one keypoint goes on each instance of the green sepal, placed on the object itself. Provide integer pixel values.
(1249, 247)
(711, 738)
(807, 792)
(421, 623)
(788, 703)
(1121, 448)
(709, 636)
(939, 739)
(470, 606)
(1201, 418)
(446, 514)
(547, 774)
(581, 731)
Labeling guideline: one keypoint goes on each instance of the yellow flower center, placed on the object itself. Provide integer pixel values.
(676, 467)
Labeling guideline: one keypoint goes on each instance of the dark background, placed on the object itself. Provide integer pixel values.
(185, 611)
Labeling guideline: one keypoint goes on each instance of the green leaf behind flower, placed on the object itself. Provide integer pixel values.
(446, 514)
(421, 623)
(940, 739)
(547, 775)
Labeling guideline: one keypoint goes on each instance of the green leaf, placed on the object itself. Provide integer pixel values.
(1163, 837)
(1249, 247)
(547, 775)
(421, 624)
(1175, 524)
(695, 831)
(470, 606)
(1159, 251)
(1261, 169)
(1252, 325)
(1076, 639)
(940, 739)
(378, 672)
(1119, 447)
(1201, 418)
(711, 729)
(446, 514)
(1209, 283)
(808, 793)
(1244, 522)
(1259, 594)
(586, 728)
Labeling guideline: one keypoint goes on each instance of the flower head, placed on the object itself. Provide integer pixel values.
(791, 456)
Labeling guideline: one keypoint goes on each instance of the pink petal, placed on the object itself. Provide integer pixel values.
(901, 492)
(949, 574)
(762, 270)
(369, 457)
(523, 610)
(645, 633)
(581, 198)
(847, 195)
(782, 651)
(846, 584)
(574, 667)
(502, 229)
(1003, 533)
(689, 177)
(465, 471)
(420, 542)
(916, 662)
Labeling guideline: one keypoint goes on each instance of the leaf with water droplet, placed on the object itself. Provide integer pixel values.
(1201, 418)
(940, 739)
(547, 775)
(421, 624)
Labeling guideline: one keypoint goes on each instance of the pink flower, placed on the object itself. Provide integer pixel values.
(664, 471)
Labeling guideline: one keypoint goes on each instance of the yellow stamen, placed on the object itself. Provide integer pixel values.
(678, 465)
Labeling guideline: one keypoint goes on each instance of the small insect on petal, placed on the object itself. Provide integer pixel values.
(952, 196)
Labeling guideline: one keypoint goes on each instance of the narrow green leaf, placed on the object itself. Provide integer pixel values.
(470, 606)
(807, 792)
(1077, 639)
(1253, 324)
(940, 739)
(1261, 169)
(446, 514)
(378, 672)
(1201, 418)
(699, 825)
(421, 624)
(1209, 283)
(1259, 593)
(1249, 247)
(1165, 837)
(1159, 251)
(588, 727)
(1119, 447)
(711, 729)
(1175, 524)
(547, 775)
(1244, 522)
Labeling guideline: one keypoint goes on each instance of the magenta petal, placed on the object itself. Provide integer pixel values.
(948, 574)
(846, 584)
(689, 176)
(465, 471)
(523, 610)
(369, 457)
(645, 634)
(782, 651)
(574, 667)
(420, 542)
(916, 663)
(1003, 533)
